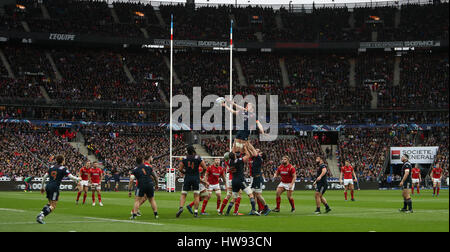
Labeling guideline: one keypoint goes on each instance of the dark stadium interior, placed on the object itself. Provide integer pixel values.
(383, 98)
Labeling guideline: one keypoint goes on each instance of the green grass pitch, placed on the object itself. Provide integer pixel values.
(372, 211)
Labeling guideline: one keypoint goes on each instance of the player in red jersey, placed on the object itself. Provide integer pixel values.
(85, 176)
(436, 175)
(229, 186)
(213, 174)
(288, 176)
(416, 179)
(96, 183)
(349, 175)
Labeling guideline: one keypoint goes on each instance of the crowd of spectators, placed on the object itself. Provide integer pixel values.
(28, 150)
(118, 146)
(424, 80)
(367, 148)
(323, 81)
(324, 24)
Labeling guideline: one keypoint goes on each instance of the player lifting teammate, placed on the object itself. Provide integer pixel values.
(237, 164)
(288, 176)
(55, 174)
(349, 175)
(235, 202)
(147, 184)
(406, 184)
(321, 185)
(204, 194)
(190, 167)
(256, 163)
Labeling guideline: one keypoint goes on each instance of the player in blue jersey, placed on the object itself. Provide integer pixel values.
(55, 174)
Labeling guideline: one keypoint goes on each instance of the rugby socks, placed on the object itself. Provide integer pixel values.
(224, 203)
(99, 197)
(46, 210)
(192, 204)
(412, 190)
(155, 213)
(345, 194)
(236, 205)
(84, 197)
(292, 203)
(278, 202)
(438, 191)
(418, 192)
(229, 207)
(353, 194)
(434, 190)
(93, 197)
(78, 196)
(261, 206)
(218, 204)
(409, 204)
(405, 204)
(253, 203)
(205, 202)
(326, 206)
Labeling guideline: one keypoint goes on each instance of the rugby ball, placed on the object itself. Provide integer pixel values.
(226, 156)
(220, 100)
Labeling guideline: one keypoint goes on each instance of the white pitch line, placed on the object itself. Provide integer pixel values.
(125, 221)
(58, 222)
(12, 210)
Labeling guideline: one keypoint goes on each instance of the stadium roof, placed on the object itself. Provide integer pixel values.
(284, 3)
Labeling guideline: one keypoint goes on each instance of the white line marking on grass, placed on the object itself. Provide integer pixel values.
(12, 210)
(125, 221)
(58, 222)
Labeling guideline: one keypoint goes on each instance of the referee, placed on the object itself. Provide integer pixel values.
(405, 184)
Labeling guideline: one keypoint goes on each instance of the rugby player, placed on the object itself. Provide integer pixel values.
(436, 174)
(405, 184)
(55, 174)
(237, 164)
(147, 183)
(213, 174)
(321, 185)
(96, 183)
(256, 163)
(85, 176)
(288, 176)
(349, 175)
(416, 178)
(190, 167)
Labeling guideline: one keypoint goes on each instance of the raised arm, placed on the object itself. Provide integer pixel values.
(234, 104)
(229, 108)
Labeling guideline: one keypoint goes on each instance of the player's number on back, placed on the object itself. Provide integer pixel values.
(53, 174)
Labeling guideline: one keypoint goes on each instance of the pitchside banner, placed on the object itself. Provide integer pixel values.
(417, 155)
